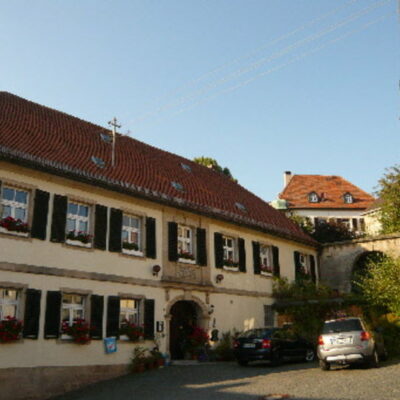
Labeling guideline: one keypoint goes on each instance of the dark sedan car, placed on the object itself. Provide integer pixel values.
(271, 344)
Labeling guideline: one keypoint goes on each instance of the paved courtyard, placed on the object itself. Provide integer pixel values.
(227, 381)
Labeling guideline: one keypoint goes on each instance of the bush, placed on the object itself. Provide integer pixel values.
(224, 349)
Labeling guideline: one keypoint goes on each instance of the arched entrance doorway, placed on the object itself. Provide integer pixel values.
(184, 316)
(360, 267)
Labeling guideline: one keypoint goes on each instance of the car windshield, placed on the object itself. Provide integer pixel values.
(256, 333)
(345, 325)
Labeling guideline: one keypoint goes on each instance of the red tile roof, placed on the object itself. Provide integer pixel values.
(46, 139)
(330, 189)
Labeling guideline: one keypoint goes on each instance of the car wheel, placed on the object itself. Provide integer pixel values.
(276, 358)
(310, 355)
(374, 361)
(325, 366)
(243, 363)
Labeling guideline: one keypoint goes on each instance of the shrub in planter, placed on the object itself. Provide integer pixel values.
(133, 331)
(224, 349)
(10, 330)
(79, 331)
(138, 359)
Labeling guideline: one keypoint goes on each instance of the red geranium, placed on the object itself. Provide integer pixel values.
(10, 330)
(79, 330)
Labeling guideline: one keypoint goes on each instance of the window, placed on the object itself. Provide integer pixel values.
(269, 316)
(9, 299)
(348, 198)
(230, 258)
(185, 244)
(345, 222)
(266, 260)
(131, 235)
(14, 210)
(73, 308)
(129, 311)
(78, 227)
(313, 197)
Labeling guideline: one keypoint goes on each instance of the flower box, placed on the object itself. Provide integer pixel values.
(231, 268)
(15, 233)
(79, 238)
(266, 270)
(10, 330)
(186, 260)
(14, 226)
(137, 253)
(78, 332)
(78, 243)
(131, 331)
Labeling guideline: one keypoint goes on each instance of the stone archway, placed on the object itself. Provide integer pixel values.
(360, 266)
(182, 314)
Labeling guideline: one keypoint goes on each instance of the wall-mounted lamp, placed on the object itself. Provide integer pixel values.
(156, 269)
(219, 278)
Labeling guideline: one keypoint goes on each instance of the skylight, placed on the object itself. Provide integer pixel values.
(106, 138)
(98, 161)
(240, 206)
(186, 167)
(177, 186)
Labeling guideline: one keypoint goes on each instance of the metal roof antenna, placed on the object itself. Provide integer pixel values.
(114, 125)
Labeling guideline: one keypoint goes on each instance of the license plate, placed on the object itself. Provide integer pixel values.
(346, 340)
(249, 345)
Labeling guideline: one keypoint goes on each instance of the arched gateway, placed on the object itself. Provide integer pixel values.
(182, 315)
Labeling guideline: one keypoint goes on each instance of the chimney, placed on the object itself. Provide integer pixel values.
(287, 176)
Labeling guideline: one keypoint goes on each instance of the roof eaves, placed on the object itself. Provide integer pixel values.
(65, 170)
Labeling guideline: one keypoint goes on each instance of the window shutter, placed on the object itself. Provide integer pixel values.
(297, 266)
(100, 227)
(242, 255)
(219, 250)
(151, 248)
(59, 218)
(256, 257)
(275, 262)
(149, 319)
(40, 211)
(32, 313)
(312, 268)
(53, 314)
(172, 241)
(113, 308)
(115, 239)
(96, 316)
(201, 247)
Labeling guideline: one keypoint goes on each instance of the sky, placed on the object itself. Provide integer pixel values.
(262, 86)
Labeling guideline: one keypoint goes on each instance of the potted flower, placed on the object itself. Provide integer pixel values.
(132, 331)
(185, 255)
(266, 269)
(157, 357)
(138, 359)
(10, 330)
(79, 236)
(79, 331)
(130, 246)
(228, 262)
(197, 341)
(14, 225)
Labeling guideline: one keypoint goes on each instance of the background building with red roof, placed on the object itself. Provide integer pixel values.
(108, 229)
(324, 197)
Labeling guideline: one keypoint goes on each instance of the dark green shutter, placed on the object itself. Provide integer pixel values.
(276, 271)
(151, 248)
(96, 316)
(172, 241)
(40, 211)
(149, 319)
(113, 309)
(201, 247)
(59, 218)
(256, 257)
(297, 265)
(52, 317)
(219, 250)
(242, 255)
(100, 227)
(115, 239)
(32, 313)
(312, 268)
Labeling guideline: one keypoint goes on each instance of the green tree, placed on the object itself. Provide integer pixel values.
(303, 222)
(331, 231)
(212, 163)
(389, 193)
(380, 286)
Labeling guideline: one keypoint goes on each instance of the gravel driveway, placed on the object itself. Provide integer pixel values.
(225, 381)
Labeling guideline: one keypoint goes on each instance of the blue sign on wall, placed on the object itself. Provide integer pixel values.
(110, 345)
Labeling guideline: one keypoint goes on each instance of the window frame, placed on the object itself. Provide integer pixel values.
(77, 220)
(183, 242)
(84, 308)
(233, 264)
(269, 257)
(130, 229)
(13, 204)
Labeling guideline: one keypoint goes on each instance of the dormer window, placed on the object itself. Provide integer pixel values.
(348, 198)
(313, 197)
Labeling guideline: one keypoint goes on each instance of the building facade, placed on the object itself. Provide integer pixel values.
(107, 230)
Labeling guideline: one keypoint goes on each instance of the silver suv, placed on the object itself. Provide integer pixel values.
(347, 341)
